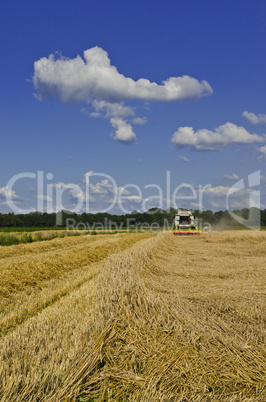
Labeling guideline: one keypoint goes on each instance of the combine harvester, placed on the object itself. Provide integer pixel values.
(185, 223)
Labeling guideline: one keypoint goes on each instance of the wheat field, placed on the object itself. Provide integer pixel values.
(134, 317)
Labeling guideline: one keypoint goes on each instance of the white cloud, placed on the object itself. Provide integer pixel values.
(15, 202)
(44, 197)
(207, 140)
(104, 187)
(6, 193)
(262, 154)
(262, 149)
(134, 198)
(233, 176)
(117, 113)
(215, 197)
(112, 109)
(92, 114)
(74, 190)
(94, 80)
(183, 158)
(139, 120)
(253, 118)
(76, 80)
(123, 131)
(80, 195)
(219, 191)
(122, 191)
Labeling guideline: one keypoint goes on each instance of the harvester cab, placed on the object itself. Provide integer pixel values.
(185, 223)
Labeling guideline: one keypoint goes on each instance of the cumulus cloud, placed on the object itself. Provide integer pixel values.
(123, 131)
(74, 190)
(253, 118)
(105, 187)
(78, 79)
(43, 197)
(94, 80)
(80, 195)
(112, 109)
(219, 191)
(207, 140)
(134, 198)
(5, 193)
(233, 176)
(262, 154)
(139, 120)
(215, 197)
(101, 187)
(263, 150)
(183, 158)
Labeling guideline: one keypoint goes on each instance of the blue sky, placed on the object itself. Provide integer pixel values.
(77, 112)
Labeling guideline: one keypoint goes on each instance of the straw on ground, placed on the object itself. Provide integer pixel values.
(168, 318)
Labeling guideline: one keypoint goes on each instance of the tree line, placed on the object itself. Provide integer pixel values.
(154, 216)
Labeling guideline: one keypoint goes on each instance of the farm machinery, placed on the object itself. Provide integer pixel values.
(185, 223)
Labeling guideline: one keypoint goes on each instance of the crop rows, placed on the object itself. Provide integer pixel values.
(164, 318)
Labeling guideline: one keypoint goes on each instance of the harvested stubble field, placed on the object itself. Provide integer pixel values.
(134, 317)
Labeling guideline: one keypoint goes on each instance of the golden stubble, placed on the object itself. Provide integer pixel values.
(169, 318)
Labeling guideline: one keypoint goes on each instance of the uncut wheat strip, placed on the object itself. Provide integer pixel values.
(49, 245)
(50, 234)
(80, 243)
(40, 235)
(16, 274)
(54, 244)
(85, 241)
